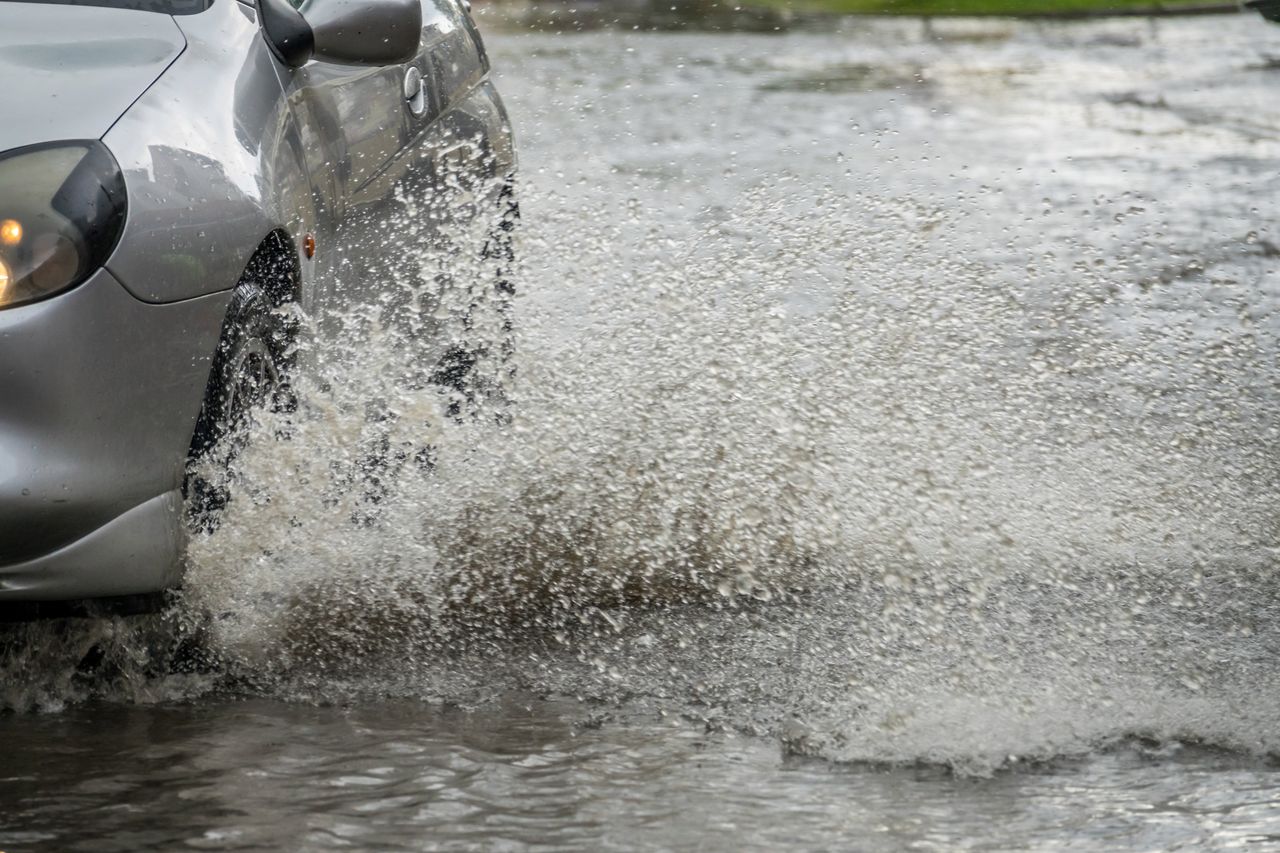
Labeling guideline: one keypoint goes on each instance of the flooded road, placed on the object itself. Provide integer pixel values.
(403, 776)
(894, 467)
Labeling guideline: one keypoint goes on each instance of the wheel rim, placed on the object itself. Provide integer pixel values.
(254, 382)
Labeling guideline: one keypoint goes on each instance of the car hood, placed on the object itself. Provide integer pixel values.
(71, 71)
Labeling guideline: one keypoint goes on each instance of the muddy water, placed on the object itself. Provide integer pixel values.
(894, 466)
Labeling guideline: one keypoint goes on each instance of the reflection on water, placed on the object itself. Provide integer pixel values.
(403, 775)
(894, 463)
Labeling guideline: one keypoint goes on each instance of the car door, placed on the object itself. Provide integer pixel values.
(392, 154)
(442, 198)
(353, 123)
(448, 152)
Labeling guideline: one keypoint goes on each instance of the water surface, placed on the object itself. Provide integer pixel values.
(895, 467)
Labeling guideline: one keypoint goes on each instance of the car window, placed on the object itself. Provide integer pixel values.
(167, 7)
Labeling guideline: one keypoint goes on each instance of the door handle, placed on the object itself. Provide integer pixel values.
(415, 92)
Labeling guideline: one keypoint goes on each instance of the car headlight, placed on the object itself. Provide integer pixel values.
(62, 207)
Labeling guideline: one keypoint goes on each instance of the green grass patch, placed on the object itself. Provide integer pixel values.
(981, 7)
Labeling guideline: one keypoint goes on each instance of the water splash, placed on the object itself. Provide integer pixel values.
(801, 472)
(855, 470)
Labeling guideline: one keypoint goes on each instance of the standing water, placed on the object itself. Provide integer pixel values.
(893, 465)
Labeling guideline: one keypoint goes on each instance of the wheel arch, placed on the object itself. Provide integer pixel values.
(276, 268)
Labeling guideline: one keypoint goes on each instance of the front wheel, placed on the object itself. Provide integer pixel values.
(248, 375)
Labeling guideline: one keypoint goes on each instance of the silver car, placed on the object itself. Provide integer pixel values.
(174, 174)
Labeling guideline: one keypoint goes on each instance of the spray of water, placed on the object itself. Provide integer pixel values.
(802, 470)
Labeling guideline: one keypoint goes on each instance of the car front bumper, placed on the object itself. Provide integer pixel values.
(99, 393)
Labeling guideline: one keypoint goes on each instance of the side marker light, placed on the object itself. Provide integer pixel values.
(10, 232)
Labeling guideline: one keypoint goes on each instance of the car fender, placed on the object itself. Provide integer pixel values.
(212, 163)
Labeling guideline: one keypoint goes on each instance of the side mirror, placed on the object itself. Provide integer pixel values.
(349, 32)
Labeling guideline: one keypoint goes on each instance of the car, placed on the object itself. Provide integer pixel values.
(180, 181)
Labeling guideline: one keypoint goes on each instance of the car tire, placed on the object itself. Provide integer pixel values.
(249, 373)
